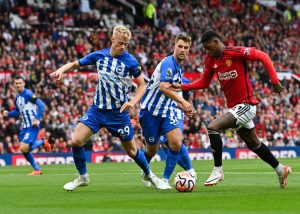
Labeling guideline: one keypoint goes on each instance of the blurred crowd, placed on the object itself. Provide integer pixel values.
(37, 37)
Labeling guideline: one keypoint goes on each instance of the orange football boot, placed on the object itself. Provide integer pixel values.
(35, 172)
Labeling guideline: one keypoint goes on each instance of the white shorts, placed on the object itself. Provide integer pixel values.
(244, 113)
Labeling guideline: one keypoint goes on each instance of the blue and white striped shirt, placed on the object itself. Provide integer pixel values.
(114, 77)
(154, 100)
(26, 108)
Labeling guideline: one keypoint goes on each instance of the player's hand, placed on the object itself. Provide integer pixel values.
(191, 113)
(126, 107)
(278, 88)
(58, 74)
(187, 107)
(175, 87)
(5, 113)
(35, 123)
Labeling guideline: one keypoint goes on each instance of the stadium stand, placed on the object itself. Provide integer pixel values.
(37, 37)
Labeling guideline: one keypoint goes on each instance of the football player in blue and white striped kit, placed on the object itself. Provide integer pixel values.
(110, 108)
(159, 106)
(30, 109)
(184, 159)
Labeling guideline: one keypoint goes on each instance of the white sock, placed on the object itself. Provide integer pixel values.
(84, 176)
(192, 171)
(218, 168)
(279, 169)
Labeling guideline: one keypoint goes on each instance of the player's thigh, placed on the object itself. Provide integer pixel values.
(28, 136)
(223, 122)
(24, 147)
(171, 127)
(163, 140)
(81, 134)
(244, 114)
(151, 126)
(249, 137)
(119, 124)
(88, 125)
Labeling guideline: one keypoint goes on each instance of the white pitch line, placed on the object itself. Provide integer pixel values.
(137, 173)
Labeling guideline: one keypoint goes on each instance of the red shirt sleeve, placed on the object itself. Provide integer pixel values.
(204, 82)
(252, 54)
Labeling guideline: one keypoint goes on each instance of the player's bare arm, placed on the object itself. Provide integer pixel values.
(140, 91)
(187, 107)
(175, 86)
(58, 74)
(188, 113)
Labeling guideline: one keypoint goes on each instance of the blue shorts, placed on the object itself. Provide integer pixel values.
(29, 135)
(163, 138)
(154, 127)
(118, 124)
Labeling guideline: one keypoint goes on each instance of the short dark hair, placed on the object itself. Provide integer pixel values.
(17, 77)
(183, 36)
(209, 35)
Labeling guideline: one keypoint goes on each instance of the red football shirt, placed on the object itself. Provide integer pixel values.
(232, 74)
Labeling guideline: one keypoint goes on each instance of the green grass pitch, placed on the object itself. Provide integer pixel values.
(250, 186)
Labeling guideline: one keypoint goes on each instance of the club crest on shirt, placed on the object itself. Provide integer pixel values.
(119, 69)
(228, 62)
(169, 73)
(215, 66)
(161, 138)
(85, 117)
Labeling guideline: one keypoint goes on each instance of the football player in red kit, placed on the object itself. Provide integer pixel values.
(229, 64)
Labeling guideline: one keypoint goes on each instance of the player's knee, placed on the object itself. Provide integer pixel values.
(175, 146)
(213, 127)
(252, 144)
(24, 150)
(131, 152)
(151, 153)
(77, 142)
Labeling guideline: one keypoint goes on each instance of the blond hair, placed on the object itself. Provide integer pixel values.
(122, 31)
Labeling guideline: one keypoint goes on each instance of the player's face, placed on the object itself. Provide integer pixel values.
(119, 44)
(181, 50)
(19, 85)
(213, 48)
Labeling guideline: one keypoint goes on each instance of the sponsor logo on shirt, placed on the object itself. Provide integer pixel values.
(151, 139)
(247, 51)
(227, 75)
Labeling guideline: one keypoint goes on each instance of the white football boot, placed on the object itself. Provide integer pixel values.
(282, 176)
(78, 182)
(167, 183)
(216, 176)
(156, 182)
(145, 181)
